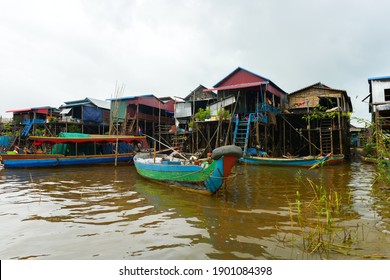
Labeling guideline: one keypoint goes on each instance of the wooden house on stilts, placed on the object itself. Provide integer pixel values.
(254, 103)
(379, 107)
(317, 121)
(145, 114)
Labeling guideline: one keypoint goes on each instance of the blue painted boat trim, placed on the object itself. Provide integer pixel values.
(279, 162)
(63, 161)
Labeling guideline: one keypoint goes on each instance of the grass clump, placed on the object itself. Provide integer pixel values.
(317, 221)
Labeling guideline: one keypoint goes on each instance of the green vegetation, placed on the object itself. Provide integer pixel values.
(202, 114)
(223, 114)
(320, 112)
(74, 128)
(39, 132)
(318, 219)
(378, 146)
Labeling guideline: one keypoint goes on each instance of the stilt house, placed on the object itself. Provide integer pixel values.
(379, 102)
(146, 114)
(254, 103)
(317, 121)
(89, 115)
(29, 119)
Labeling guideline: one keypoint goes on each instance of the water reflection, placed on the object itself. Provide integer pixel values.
(112, 213)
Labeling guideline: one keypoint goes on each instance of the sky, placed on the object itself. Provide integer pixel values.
(56, 51)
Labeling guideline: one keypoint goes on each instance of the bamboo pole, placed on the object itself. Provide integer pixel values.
(231, 118)
(340, 132)
(116, 151)
(154, 151)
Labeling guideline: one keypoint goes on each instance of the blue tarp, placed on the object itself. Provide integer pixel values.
(4, 141)
(91, 114)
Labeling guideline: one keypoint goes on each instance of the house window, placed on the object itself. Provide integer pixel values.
(387, 94)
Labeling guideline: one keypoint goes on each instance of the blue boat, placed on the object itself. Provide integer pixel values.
(76, 149)
(205, 176)
(308, 161)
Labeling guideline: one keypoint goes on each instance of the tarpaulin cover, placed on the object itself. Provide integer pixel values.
(66, 149)
(4, 141)
(91, 114)
(89, 148)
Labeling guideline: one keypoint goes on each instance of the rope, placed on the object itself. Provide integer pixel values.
(301, 134)
(166, 146)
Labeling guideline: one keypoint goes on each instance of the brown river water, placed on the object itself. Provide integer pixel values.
(112, 213)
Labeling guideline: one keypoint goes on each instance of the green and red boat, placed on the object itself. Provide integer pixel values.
(207, 176)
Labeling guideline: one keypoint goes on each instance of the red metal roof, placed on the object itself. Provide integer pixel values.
(41, 110)
(153, 101)
(18, 110)
(246, 85)
(241, 78)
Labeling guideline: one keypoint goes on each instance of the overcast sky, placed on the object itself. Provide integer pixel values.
(55, 51)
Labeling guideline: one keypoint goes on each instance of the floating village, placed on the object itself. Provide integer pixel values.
(196, 140)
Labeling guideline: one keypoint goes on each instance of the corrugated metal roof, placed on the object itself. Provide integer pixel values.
(131, 97)
(317, 85)
(245, 85)
(31, 109)
(236, 70)
(98, 103)
(257, 77)
(379, 78)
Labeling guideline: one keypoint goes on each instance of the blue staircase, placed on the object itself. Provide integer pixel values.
(27, 127)
(28, 124)
(242, 127)
(242, 131)
(11, 142)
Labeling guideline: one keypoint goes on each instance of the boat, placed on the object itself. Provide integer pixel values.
(307, 161)
(335, 159)
(369, 159)
(205, 176)
(76, 149)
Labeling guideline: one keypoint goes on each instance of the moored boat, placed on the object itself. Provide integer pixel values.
(204, 176)
(369, 159)
(335, 159)
(308, 161)
(76, 149)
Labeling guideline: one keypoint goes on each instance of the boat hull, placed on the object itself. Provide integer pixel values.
(194, 177)
(335, 159)
(304, 162)
(41, 160)
(77, 149)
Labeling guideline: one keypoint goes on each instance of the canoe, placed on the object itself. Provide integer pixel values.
(370, 160)
(335, 159)
(206, 177)
(308, 161)
(76, 149)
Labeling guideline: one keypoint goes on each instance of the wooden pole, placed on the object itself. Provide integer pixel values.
(154, 151)
(116, 151)
(231, 118)
(340, 132)
(284, 136)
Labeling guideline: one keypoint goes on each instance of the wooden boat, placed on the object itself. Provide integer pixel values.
(335, 159)
(76, 149)
(308, 161)
(370, 160)
(206, 177)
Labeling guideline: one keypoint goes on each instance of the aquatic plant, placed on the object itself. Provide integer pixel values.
(317, 220)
